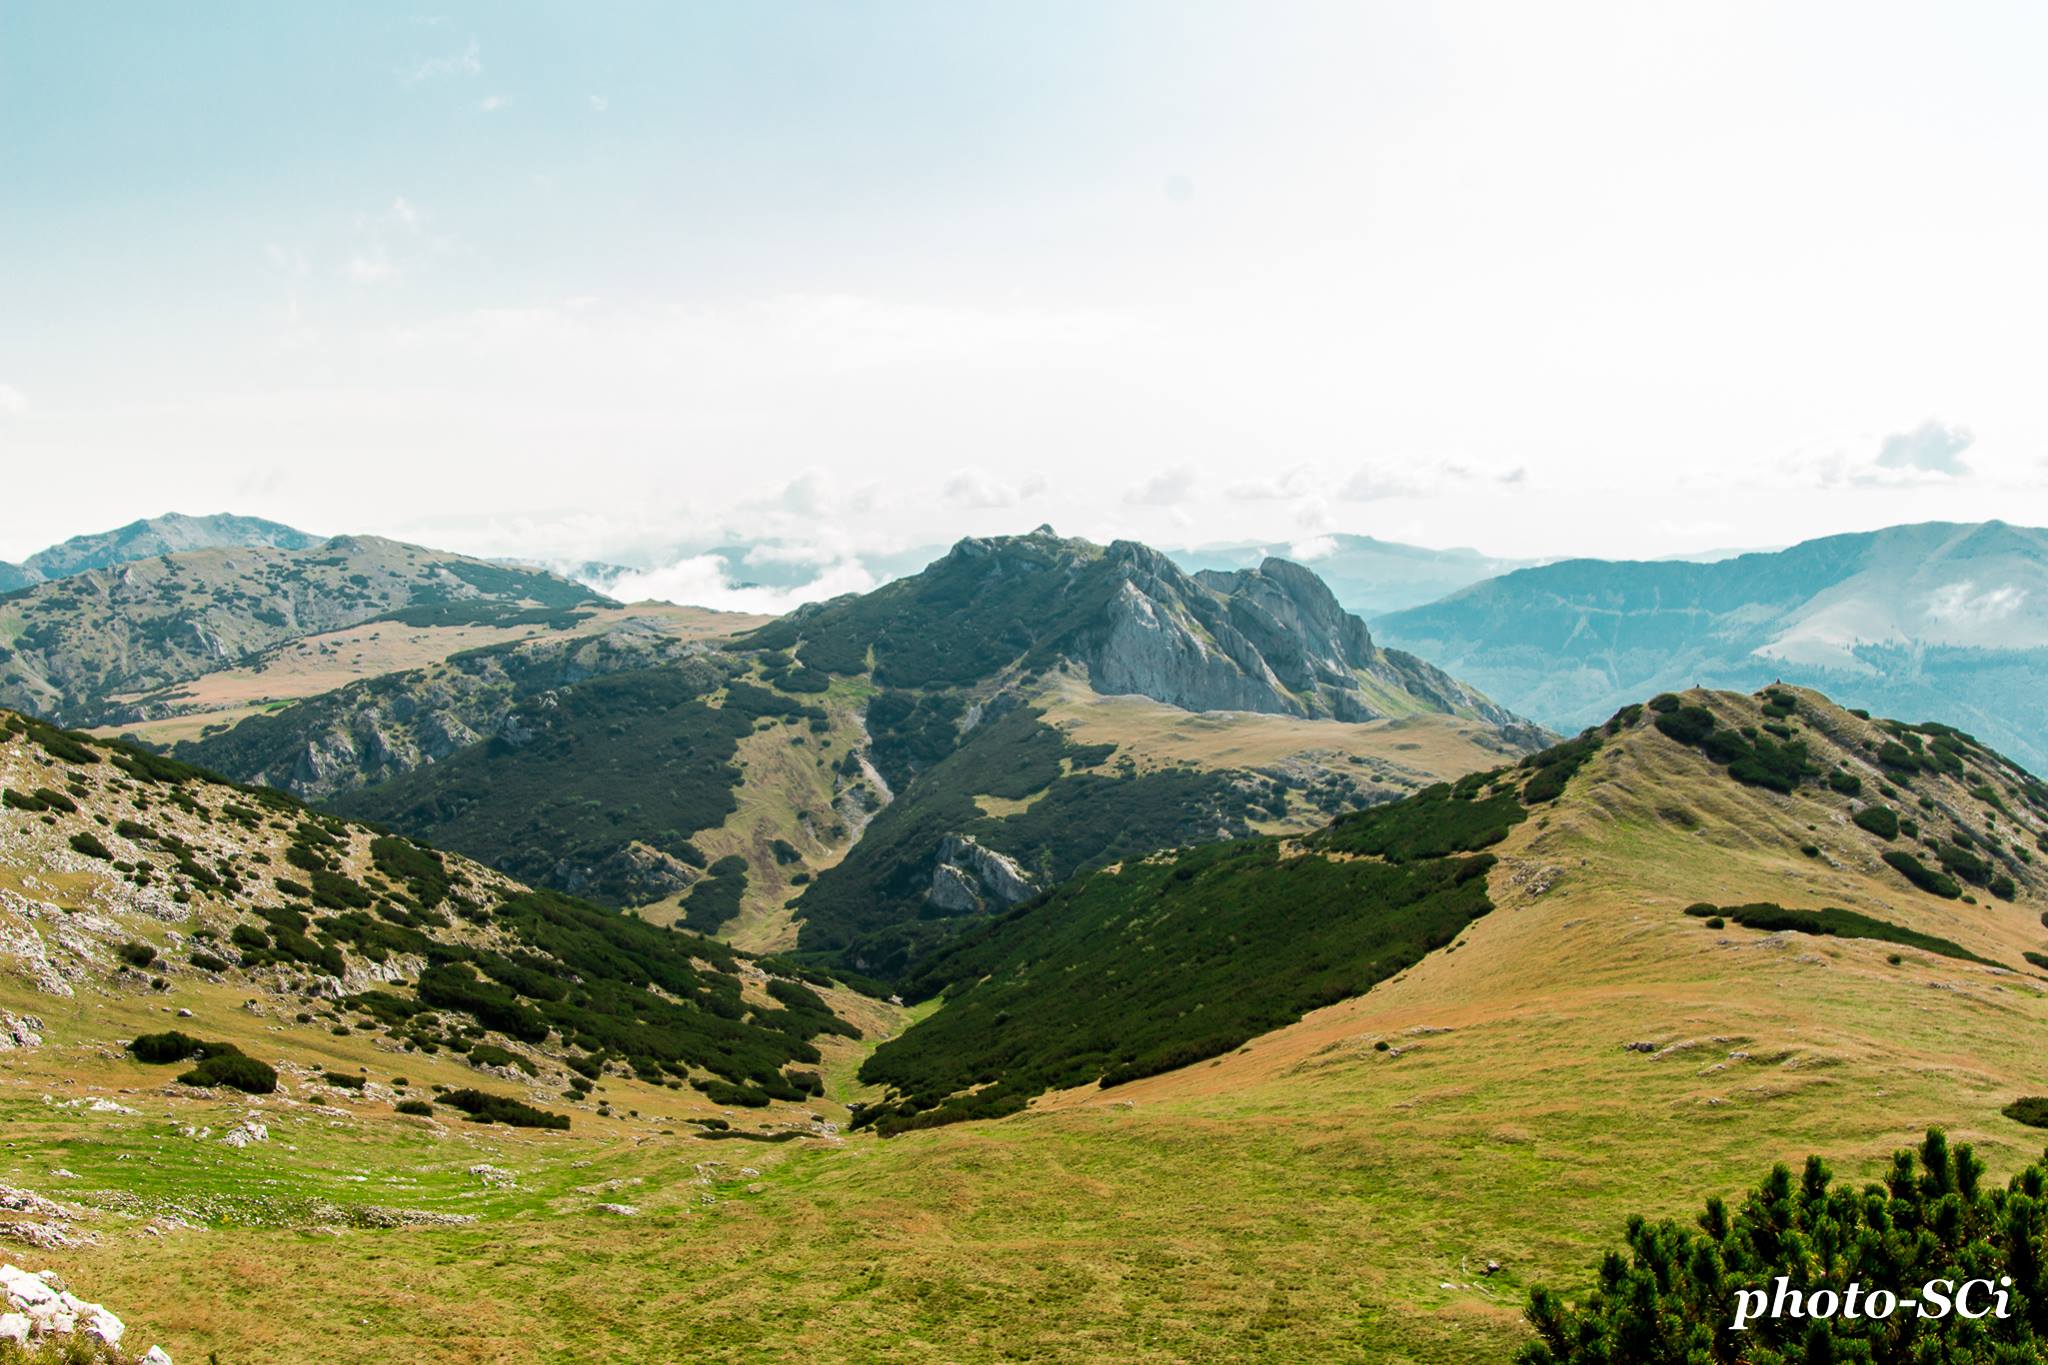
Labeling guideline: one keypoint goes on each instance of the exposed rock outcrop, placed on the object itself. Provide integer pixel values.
(38, 1308)
(970, 879)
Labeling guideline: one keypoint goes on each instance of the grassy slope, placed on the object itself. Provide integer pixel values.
(1307, 1198)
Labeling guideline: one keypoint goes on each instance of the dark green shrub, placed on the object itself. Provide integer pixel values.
(1882, 821)
(419, 1108)
(1672, 1294)
(1923, 876)
(1963, 863)
(235, 1072)
(1810, 850)
(2038, 959)
(207, 962)
(1836, 922)
(1686, 724)
(1716, 922)
(723, 1092)
(136, 954)
(1847, 783)
(1664, 703)
(170, 1046)
(342, 1080)
(53, 800)
(2031, 1110)
(91, 847)
(483, 1107)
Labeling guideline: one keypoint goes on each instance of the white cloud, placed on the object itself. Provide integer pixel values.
(1168, 488)
(975, 490)
(791, 552)
(1962, 604)
(491, 104)
(705, 581)
(1374, 483)
(1928, 454)
(1308, 551)
(1932, 447)
(13, 401)
(468, 62)
(598, 103)
(1299, 481)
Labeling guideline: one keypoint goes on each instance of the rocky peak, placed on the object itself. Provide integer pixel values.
(1271, 639)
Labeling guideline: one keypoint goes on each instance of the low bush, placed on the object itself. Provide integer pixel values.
(207, 962)
(2031, 1110)
(743, 1135)
(233, 1071)
(136, 955)
(1833, 922)
(483, 1107)
(173, 1046)
(1923, 876)
(419, 1108)
(1882, 821)
(342, 1080)
(91, 847)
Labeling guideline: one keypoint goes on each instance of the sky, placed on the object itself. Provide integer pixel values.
(624, 281)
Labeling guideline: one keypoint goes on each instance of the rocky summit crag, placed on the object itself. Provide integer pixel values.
(1271, 639)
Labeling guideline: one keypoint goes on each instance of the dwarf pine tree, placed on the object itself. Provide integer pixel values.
(1670, 1297)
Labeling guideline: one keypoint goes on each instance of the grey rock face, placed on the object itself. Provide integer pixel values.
(1271, 639)
(634, 875)
(970, 879)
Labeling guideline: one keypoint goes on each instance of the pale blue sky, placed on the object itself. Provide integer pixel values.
(589, 279)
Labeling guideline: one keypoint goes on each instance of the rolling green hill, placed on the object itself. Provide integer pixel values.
(1166, 961)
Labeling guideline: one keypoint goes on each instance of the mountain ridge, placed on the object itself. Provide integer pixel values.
(148, 537)
(73, 648)
(1935, 619)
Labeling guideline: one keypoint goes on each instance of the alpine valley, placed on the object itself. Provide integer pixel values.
(1057, 953)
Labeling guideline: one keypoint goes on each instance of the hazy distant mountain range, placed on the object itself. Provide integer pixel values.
(1936, 621)
(1940, 621)
(1368, 576)
(165, 535)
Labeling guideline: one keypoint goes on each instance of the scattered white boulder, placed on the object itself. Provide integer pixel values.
(620, 1210)
(32, 1306)
(247, 1131)
(20, 1032)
